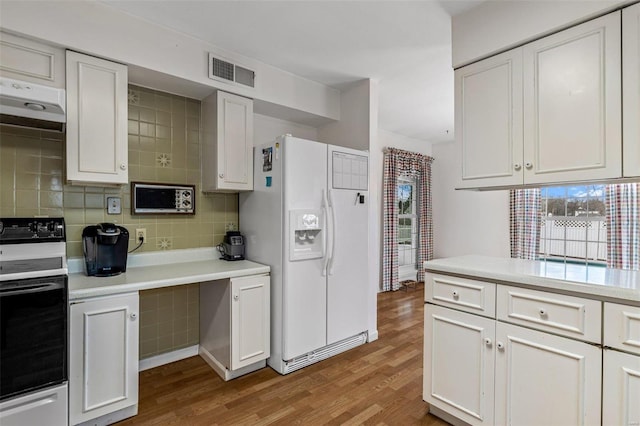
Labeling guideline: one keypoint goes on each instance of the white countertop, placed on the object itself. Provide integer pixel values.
(596, 281)
(155, 270)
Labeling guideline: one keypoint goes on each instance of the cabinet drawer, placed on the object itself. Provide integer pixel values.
(555, 313)
(477, 297)
(622, 327)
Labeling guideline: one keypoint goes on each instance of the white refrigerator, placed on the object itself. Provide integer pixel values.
(307, 218)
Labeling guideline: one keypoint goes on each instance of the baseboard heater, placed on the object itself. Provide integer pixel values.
(324, 353)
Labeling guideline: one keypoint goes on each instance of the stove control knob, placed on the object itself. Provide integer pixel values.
(51, 227)
(33, 227)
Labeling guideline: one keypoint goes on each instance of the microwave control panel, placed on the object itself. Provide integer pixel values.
(184, 199)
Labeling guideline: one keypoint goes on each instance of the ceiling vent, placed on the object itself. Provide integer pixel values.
(219, 69)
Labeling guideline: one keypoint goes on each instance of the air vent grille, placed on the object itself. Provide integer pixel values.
(220, 69)
(245, 76)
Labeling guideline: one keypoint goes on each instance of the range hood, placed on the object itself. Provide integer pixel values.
(31, 105)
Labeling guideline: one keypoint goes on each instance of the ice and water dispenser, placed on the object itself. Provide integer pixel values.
(306, 234)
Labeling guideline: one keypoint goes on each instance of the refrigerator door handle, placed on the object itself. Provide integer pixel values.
(333, 233)
(325, 209)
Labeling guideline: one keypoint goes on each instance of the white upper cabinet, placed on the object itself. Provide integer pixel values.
(97, 145)
(547, 112)
(28, 60)
(572, 98)
(631, 84)
(227, 157)
(488, 120)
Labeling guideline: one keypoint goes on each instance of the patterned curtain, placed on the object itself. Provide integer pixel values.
(398, 162)
(623, 232)
(525, 209)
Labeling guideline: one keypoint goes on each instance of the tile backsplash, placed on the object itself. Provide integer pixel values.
(164, 146)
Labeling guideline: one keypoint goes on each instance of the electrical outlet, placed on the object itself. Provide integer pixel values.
(141, 235)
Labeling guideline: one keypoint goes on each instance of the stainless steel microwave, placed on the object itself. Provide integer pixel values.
(161, 198)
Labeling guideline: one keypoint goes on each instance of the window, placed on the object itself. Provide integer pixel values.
(593, 224)
(573, 224)
(407, 228)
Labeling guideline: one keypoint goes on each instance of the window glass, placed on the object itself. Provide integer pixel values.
(573, 224)
(407, 222)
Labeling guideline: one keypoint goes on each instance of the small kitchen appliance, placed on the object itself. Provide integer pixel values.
(105, 249)
(232, 247)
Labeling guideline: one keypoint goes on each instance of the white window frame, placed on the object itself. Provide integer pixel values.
(408, 271)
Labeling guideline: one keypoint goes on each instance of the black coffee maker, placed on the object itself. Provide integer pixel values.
(105, 249)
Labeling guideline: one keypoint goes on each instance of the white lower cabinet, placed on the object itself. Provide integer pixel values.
(542, 379)
(103, 357)
(621, 381)
(513, 365)
(459, 364)
(485, 372)
(235, 324)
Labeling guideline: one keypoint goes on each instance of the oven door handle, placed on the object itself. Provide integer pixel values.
(36, 288)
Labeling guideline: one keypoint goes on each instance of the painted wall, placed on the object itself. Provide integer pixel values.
(466, 222)
(266, 129)
(97, 29)
(354, 128)
(494, 26)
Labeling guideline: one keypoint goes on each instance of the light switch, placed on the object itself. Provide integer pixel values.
(113, 205)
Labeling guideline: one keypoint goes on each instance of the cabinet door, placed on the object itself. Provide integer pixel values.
(622, 389)
(97, 146)
(543, 379)
(459, 364)
(572, 104)
(103, 356)
(631, 84)
(227, 154)
(488, 120)
(27, 60)
(250, 320)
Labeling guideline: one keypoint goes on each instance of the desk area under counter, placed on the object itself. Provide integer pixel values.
(105, 319)
(538, 342)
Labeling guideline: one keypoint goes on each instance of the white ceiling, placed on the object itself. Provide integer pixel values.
(405, 45)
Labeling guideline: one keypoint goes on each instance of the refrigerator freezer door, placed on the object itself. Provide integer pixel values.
(347, 284)
(304, 286)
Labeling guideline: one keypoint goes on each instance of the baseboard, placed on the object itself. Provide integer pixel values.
(222, 371)
(167, 358)
(111, 418)
(373, 335)
(446, 416)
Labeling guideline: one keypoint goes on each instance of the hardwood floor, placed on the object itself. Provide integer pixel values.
(379, 383)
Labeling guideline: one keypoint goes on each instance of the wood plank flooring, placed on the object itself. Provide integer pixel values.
(379, 383)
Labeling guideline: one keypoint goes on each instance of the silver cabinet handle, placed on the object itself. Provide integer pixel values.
(221, 175)
(500, 346)
(528, 164)
(487, 341)
(123, 166)
(456, 294)
(517, 166)
(133, 316)
(542, 312)
(236, 297)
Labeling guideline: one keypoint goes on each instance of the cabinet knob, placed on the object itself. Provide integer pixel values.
(500, 346)
(236, 297)
(123, 166)
(456, 294)
(517, 166)
(542, 312)
(221, 175)
(133, 315)
(528, 164)
(487, 341)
